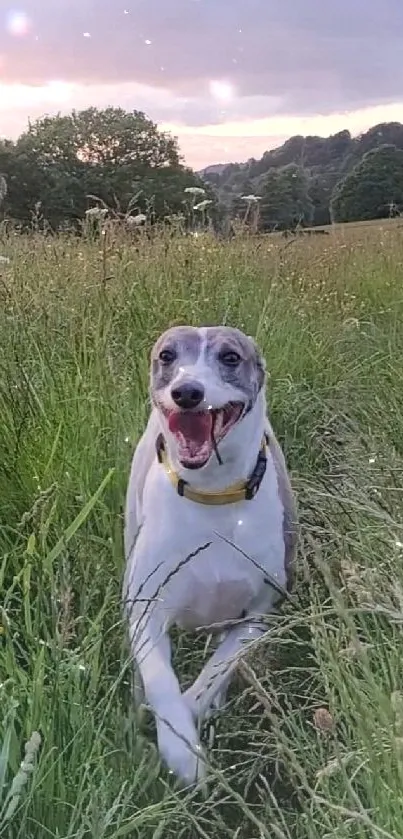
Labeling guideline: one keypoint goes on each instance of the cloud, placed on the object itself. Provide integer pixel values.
(211, 142)
(310, 55)
(225, 75)
(239, 141)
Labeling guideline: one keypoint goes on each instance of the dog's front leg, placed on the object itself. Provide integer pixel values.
(209, 690)
(178, 740)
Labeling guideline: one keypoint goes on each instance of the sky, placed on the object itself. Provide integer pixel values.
(229, 78)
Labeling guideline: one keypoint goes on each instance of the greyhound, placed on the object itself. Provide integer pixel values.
(210, 528)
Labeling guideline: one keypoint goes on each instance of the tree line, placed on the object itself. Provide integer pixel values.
(61, 167)
(316, 180)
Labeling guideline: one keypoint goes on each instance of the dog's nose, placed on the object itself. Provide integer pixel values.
(188, 395)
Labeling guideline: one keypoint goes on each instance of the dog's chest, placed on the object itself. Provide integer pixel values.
(207, 585)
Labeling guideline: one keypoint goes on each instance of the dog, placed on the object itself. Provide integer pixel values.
(210, 527)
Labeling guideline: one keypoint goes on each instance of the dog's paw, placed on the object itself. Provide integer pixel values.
(183, 756)
(200, 709)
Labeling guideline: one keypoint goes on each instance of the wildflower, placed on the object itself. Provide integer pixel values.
(4, 260)
(135, 221)
(251, 198)
(202, 205)
(96, 212)
(195, 190)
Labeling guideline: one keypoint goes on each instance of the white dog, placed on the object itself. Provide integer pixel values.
(210, 525)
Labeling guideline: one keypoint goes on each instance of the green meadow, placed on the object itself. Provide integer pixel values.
(311, 745)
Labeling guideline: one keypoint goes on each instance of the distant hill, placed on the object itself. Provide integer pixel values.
(214, 169)
(325, 161)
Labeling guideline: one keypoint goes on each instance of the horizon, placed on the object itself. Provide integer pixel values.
(203, 72)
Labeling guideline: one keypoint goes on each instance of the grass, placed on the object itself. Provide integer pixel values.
(312, 744)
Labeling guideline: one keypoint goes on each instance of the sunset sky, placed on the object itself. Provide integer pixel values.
(230, 78)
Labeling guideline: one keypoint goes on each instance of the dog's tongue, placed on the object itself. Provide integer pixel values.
(194, 427)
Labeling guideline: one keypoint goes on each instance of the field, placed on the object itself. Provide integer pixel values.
(312, 743)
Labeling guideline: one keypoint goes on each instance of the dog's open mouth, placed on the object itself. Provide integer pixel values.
(197, 433)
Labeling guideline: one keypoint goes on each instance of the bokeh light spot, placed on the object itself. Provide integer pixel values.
(17, 23)
(222, 91)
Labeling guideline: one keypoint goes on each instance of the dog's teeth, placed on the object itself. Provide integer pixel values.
(218, 422)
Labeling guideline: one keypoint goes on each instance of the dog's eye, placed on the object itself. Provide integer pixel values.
(230, 357)
(167, 356)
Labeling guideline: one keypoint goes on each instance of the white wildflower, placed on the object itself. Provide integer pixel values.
(135, 221)
(96, 212)
(195, 190)
(202, 205)
(251, 198)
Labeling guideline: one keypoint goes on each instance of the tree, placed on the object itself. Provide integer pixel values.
(285, 198)
(6, 151)
(373, 185)
(320, 189)
(385, 133)
(110, 137)
(111, 154)
(325, 160)
(237, 203)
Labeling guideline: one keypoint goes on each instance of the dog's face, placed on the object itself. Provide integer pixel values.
(204, 382)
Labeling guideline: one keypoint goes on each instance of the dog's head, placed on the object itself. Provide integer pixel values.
(204, 382)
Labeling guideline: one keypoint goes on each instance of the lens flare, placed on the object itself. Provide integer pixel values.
(18, 23)
(222, 91)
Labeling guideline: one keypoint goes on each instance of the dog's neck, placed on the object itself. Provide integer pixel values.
(238, 454)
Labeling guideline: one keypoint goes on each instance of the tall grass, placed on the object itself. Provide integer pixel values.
(311, 745)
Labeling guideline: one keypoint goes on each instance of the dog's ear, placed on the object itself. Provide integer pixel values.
(259, 362)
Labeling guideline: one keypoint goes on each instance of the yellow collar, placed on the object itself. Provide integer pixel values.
(240, 491)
